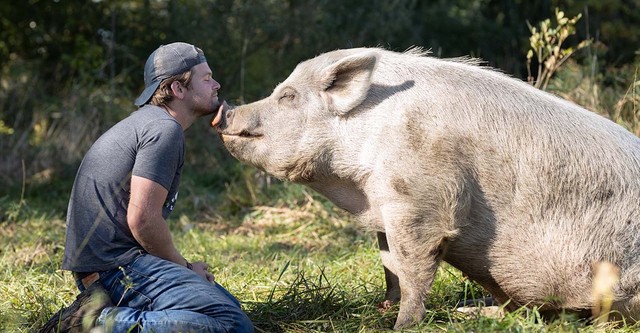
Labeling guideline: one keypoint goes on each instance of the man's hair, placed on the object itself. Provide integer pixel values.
(163, 94)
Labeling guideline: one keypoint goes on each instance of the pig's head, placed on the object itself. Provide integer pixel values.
(293, 134)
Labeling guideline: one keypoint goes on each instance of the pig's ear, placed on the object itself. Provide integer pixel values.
(347, 82)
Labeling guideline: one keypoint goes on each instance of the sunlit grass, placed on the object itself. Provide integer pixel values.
(295, 262)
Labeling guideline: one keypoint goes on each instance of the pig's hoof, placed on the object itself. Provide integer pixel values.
(385, 305)
(409, 318)
(400, 325)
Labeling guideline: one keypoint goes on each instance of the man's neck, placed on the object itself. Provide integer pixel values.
(184, 117)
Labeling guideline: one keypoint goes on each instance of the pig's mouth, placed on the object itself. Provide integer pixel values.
(244, 134)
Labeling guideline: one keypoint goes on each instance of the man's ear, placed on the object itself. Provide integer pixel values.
(177, 89)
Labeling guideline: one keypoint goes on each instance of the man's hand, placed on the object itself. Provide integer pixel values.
(202, 269)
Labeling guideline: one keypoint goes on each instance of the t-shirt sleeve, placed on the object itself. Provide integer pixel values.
(160, 152)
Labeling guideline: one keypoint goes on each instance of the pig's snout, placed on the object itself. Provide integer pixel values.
(222, 117)
(237, 123)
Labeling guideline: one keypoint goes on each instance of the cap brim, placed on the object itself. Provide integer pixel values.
(147, 94)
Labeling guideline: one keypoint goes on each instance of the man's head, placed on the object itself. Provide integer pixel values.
(170, 63)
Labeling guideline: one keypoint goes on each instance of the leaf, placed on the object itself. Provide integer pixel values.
(584, 43)
(549, 63)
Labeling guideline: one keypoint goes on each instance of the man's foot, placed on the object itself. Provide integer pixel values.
(82, 314)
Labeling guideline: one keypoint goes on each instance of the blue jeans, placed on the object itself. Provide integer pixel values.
(155, 295)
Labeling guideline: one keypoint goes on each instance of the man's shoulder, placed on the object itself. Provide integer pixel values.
(145, 124)
(152, 118)
(152, 113)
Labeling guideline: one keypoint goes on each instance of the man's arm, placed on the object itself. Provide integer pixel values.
(144, 216)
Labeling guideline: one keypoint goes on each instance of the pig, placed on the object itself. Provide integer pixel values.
(450, 160)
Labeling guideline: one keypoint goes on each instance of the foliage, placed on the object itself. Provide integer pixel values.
(4, 129)
(586, 85)
(546, 45)
(627, 109)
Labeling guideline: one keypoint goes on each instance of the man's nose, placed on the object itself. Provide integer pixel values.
(216, 85)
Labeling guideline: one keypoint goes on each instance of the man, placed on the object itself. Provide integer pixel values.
(118, 242)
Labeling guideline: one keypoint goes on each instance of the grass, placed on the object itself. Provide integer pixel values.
(295, 262)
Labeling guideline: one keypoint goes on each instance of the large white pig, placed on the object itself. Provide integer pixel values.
(522, 191)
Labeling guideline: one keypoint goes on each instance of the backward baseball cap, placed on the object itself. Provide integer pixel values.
(166, 61)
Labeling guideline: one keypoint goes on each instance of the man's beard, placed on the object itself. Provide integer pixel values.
(202, 110)
(216, 105)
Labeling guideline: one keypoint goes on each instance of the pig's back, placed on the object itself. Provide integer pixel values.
(511, 126)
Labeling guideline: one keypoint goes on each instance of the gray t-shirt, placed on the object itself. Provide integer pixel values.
(150, 144)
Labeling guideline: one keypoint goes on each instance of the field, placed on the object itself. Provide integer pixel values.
(296, 262)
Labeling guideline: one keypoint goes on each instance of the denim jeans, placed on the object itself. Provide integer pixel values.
(155, 295)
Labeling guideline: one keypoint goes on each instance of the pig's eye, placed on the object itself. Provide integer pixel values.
(287, 96)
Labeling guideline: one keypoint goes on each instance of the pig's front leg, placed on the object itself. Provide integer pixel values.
(416, 249)
(391, 279)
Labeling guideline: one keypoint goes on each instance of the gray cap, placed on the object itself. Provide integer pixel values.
(166, 61)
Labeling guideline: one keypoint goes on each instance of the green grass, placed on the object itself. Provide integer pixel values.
(295, 262)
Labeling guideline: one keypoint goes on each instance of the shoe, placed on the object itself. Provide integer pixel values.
(82, 314)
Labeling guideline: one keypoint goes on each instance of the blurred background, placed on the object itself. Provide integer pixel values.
(71, 69)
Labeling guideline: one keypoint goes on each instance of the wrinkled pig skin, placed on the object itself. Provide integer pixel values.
(446, 159)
